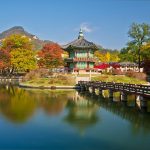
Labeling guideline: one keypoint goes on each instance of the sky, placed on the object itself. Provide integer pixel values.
(104, 22)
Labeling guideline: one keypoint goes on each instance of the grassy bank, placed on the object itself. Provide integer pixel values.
(118, 79)
(55, 81)
(69, 80)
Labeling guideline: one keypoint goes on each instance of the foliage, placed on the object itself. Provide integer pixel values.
(37, 73)
(52, 81)
(4, 59)
(23, 59)
(114, 57)
(17, 54)
(117, 72)
(15, 41)
(127, 55)
(118, 79)
(106, 56)
(146, 51)
(50, 56)
(140, 34)
(137, 75)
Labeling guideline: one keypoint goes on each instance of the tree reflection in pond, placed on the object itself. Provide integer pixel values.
(18, 105)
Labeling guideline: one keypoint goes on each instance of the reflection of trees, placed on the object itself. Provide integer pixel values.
(82, 113)
(54, 104)
(18, 105)
(139, 121)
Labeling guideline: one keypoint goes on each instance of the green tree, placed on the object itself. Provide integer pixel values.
(145, 52)
(140, 34)
(126, 54)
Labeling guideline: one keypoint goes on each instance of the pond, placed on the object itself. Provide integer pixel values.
(70, 120)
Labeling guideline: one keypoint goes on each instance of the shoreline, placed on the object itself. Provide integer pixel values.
(48, 87)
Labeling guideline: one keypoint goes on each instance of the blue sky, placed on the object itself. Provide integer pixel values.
(105, 22)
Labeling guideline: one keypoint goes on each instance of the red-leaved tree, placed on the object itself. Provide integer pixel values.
(4, 61)
(50, 56)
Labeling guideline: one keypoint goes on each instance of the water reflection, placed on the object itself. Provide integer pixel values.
(139, 121)
(81, 109)
(82, 112)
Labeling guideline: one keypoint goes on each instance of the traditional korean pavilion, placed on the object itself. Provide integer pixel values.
(81, 54)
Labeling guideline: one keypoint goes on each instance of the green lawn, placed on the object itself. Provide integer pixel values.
(60, 81)
(118, 79)
(69, 80)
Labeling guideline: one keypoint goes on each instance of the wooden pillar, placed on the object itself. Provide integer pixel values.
(124, 97)
(86, 88)
(88, 65)
(110, 94)
(93, 90)
(143, 102)
(88, 53)
(100, 91)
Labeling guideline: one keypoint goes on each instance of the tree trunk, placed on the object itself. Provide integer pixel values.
(139, 59)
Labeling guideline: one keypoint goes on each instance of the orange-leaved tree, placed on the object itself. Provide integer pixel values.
(50, 56)
(4, 60)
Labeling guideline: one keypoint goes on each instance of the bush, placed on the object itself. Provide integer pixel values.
(117, 72)
(62, 80)
(137, 75)
(38, 73)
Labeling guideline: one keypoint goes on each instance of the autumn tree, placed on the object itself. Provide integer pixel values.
(4, 61)
(140, 34)
(107, 56)
(22, 57)
(15, 41)
(100, 56)
(50, 56)
(114, 57)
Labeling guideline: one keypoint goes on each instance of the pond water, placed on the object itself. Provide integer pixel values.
(59, 119)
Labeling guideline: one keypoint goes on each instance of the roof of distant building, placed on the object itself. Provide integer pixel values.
(81, 42)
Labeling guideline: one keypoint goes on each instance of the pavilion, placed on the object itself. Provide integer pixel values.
(81, 54)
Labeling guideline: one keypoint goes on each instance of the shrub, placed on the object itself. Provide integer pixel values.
(62, 80)
(117, 72)
(38, 73)
(137, 75)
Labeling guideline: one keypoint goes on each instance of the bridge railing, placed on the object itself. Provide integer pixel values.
(130, 88)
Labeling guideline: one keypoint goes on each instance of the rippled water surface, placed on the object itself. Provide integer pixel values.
(66, 119)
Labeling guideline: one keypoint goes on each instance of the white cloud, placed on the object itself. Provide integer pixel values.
(86, 27)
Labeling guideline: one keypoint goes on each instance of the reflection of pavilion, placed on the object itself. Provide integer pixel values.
(82, 113)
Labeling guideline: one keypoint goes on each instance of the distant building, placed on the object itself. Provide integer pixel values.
(81, 54)
(129, 66)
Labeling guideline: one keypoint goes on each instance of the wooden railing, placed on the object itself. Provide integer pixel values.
(137, 89)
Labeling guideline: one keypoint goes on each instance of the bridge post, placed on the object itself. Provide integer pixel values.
(110, 93)
(86, 88)
(82, 88)
(123, 96)
(93, 90)
(143, 102)
(100, 92)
